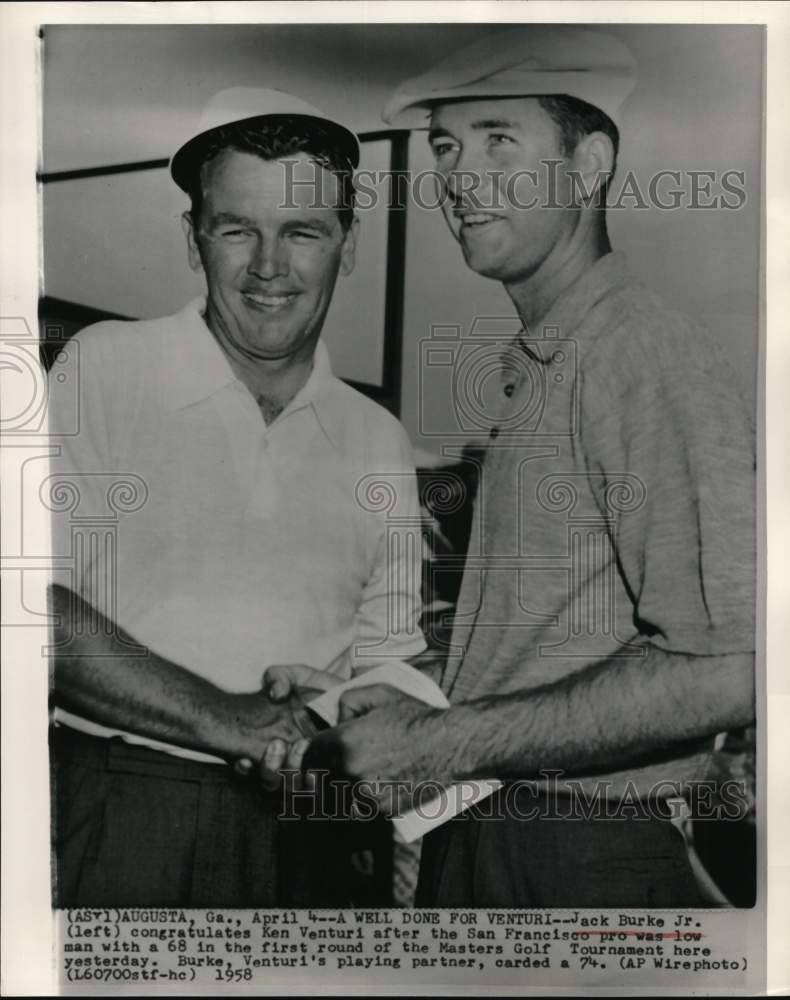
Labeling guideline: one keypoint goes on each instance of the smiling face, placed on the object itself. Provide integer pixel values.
(270, 269)
(494, 156)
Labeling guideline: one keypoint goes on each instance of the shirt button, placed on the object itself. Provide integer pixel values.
(509, 388)
(494, 433)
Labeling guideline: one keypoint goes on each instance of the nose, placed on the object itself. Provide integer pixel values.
(465, 179)
(268, 259)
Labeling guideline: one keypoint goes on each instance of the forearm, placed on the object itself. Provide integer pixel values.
(604, 718)
(102, 674)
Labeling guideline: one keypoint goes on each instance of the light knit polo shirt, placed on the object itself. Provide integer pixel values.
(616, 505)
(221, 543)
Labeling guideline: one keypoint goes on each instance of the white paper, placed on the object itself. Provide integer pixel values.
(416, 822)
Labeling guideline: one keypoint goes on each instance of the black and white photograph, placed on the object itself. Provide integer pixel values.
(391, 476)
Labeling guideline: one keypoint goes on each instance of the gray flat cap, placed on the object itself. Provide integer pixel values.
(531, 60)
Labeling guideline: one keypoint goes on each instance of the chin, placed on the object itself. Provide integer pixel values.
(502, 267)
(487, 268)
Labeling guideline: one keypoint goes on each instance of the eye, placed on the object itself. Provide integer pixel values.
(305, 234)
(500, 139)
(443, 147)
(234, 235)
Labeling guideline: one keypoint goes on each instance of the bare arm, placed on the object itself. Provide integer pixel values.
(609, 716)
(98, 675)
(603, 719)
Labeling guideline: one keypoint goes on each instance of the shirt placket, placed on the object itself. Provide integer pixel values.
(264, 495)
(252, 451)
(266, 487)
(471, 599)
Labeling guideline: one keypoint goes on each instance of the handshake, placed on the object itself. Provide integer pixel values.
(290, 727)
(390, 733)
(384, 728)
(353, 733)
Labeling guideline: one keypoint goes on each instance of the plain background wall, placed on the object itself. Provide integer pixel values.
(117, 94)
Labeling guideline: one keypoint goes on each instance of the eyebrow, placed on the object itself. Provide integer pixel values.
(481, 125)
(485, 123)
(231, 219)
(228, 218)
(310, 223)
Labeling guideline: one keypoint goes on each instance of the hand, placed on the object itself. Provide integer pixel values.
(281, 679)
(361, 700)
(280, 755)
(280, 683)
(391, 741)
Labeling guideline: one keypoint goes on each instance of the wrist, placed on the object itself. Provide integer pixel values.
(466, 728)
(241, 725)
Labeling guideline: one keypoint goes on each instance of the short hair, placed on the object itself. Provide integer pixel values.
(275, 141)
(575, 119)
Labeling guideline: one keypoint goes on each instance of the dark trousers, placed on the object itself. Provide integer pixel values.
(486, 858)
(136, 827)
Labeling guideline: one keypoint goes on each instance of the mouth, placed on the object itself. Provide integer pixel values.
(268, 301)
(476, 221)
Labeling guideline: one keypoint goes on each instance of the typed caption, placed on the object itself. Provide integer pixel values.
(157, 950)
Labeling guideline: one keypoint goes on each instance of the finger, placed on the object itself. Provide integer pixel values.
(359, 700)
(296, 751)
(271, 764)
(243, 767)
(280, 679)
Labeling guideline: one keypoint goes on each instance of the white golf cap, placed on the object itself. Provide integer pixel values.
(524, 62)
(247, 105)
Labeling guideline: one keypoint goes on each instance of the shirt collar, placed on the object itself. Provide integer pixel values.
(567, 312)
(320, 393)
(199, 368)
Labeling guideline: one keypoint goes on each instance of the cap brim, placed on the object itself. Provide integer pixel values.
(190, 155)
(608, 92)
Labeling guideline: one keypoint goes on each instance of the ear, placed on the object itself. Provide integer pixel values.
(349, 249)
(593, 160)
(193, 250)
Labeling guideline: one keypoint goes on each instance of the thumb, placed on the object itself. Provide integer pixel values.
(359, 700)
(280, 679)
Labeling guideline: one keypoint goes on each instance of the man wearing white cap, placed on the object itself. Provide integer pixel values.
(241, 541)
(606, 621)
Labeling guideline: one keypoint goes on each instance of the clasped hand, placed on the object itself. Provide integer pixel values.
(383, 737)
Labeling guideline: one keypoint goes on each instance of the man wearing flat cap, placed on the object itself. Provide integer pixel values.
(604, 636)
(241, 543)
